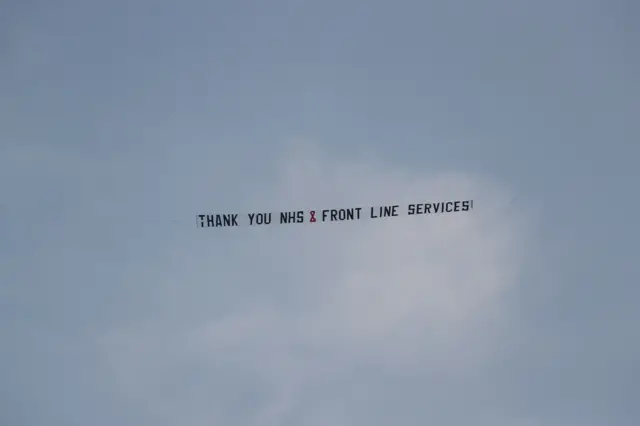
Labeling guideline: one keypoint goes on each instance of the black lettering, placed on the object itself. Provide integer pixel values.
(251, 216)
(292, 217)
(348, 214)
(384, 211)
(338, 215)
(217, 220)
(440, 207)
(261, 218)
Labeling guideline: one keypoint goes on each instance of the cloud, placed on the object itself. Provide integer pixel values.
(335, 302)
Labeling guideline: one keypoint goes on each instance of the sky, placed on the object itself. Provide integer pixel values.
(121, 121)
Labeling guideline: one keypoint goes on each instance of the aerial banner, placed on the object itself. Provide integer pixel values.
(217, 220)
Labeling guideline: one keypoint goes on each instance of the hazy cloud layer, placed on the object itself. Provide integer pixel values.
(352, 302)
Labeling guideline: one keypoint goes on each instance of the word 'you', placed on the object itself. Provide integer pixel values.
(216, 220)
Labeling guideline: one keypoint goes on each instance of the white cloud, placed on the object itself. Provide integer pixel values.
(409, 294)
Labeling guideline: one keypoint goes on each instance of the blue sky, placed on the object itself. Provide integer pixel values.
(122, 120)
